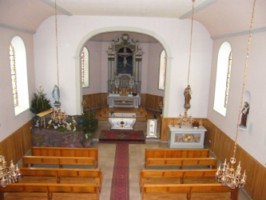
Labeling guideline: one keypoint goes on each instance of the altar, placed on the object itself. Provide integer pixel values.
(186, 137)
(123, 121)
(124, 73)
(117, 101)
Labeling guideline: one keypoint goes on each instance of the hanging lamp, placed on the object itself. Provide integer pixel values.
(185, 119)
(56, 90)
(227, 173)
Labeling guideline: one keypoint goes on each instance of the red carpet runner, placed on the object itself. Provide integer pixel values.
(120, 182)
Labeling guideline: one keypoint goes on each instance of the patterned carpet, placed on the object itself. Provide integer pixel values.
(120, 181)
(122, 136)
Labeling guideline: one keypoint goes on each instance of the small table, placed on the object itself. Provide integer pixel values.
(186, 137)
(42, 116)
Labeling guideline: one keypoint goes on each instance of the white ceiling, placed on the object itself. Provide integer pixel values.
(220, 17)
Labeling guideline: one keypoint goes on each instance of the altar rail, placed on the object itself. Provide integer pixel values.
(50, 188)
(175, 191)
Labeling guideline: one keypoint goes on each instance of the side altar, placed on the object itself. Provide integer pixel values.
(186, 136)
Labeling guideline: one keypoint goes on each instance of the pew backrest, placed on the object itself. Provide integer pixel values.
(64, 151)
(50, 188)
(58, 161)
(181, 162)
(176, 153)
(172, 176)
(59, 173)
(188, 189)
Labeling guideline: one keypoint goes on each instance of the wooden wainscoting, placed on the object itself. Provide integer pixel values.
(222, 146)
(94, 101)
(17, 144)
(152, 102)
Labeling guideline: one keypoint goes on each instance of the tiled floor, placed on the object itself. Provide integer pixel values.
(136, 163)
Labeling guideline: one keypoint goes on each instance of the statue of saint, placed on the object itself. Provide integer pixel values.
(244, 115)
(56, 96)
(187, 94)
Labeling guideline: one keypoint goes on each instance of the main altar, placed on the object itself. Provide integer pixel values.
(124, 72)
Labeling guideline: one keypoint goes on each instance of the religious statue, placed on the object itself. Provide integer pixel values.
(56, 96)
(244, 115)
(187, 94)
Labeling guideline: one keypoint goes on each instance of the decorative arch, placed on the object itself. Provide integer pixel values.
(113, 29)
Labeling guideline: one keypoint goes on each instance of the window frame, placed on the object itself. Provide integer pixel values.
(20, 90)
(162, 70)
(223, 75)
(84, 67)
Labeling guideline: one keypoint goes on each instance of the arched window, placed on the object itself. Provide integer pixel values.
(84, 64)
(162, 70)
(19, 75)
(224, 64)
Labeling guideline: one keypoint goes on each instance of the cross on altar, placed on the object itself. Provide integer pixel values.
(124, 55)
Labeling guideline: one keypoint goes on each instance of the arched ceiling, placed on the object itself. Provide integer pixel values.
(220, 17)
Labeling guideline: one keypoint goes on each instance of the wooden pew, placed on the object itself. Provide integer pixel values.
(58, 161)
(176, 153)
(175, 191)
(165, 156)
(66, 152)
(50, 188)
(176, 176)
(58, 175)
(182, 162)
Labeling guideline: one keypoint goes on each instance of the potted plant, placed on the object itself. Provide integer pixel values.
(39, 102)
(89, 125)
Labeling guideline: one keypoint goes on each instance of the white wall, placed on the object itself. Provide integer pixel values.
(174, 34)
(8, 121)
(253, 140)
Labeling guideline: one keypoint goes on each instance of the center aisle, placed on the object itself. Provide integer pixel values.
(120, 181)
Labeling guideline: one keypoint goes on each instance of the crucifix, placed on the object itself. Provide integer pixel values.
(125, 54)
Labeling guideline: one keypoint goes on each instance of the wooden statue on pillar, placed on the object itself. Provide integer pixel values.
(185, 119)
(187, 94)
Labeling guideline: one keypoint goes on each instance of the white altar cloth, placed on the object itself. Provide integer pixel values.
(122, 120)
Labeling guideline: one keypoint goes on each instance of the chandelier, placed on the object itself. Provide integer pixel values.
(9, 174)
(228, 173)
(185, 119)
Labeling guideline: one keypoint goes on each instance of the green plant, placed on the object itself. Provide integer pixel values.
(89, 124)
(39, 102)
